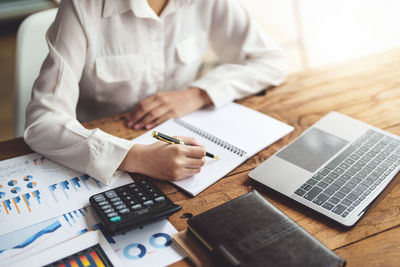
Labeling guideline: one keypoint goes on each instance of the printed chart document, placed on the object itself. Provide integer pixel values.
(233, 132)
(34, 188)
(146, 246)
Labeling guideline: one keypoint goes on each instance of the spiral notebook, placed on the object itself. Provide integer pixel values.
(232, 132)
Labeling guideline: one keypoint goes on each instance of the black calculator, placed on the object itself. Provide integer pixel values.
(132, 205)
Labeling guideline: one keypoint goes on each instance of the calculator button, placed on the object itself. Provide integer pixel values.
(128, 198)
(108, 210)
(113, 214)
(148, 203)
(156, 194)
(115, 219)
(142, 211)
(99, 198)
(123, 211)
(144, 198)
(139, 194)
(106, 207)
(117, 203)
(120, 189)
(120, 207)
(136, 207)
(159, 199)
(115, 199)
(103, 203)
(111, 194)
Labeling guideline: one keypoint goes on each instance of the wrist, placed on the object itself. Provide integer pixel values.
(133, 159)
(204, 99)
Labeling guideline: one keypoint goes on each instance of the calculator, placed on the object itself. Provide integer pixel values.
(132, 205)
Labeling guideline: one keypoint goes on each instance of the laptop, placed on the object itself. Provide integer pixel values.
(337, 167)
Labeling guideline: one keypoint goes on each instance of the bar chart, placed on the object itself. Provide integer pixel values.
(34, 188)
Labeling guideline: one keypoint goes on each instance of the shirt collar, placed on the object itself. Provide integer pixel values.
(140, 8)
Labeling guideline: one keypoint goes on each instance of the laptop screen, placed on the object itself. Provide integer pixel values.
(312, 149)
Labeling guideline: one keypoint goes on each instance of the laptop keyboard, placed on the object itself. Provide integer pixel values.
(342, 184)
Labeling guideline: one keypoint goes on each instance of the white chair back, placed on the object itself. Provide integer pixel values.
(31, 51)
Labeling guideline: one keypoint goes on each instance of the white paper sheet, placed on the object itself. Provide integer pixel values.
(34, 189)
(241, 127)
(147, 246)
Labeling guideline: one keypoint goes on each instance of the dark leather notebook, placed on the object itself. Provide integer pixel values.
(250, 231)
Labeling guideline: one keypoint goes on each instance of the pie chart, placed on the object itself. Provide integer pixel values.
(28, 178)
(15, 190)
(31, 185)
(12, 182)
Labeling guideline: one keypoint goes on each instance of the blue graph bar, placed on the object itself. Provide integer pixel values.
(72, 217)
(83, 231)
(75, 183)
(37, 195)
(17, 199)
(84, 179)
(66, 218)
(53, 188)
(64, 187)
(65, 184)
(8, 204)
(80, 210)
(27, 197)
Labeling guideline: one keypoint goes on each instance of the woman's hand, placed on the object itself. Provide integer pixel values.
(165, 161)
(166, 105)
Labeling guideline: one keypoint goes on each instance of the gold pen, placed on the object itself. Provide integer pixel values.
(172, 140)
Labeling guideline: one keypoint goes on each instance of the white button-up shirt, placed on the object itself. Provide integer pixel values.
(107, 55)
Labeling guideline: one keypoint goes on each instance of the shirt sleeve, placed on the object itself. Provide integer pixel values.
(251, 60)
(52, 128)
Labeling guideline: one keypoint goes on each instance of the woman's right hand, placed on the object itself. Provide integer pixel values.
(165, 161)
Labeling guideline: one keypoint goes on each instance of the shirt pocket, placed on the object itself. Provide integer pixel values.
(193, 48)
(119, 78)
(189, 56)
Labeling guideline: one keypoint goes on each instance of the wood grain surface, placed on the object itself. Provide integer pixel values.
(367, 89)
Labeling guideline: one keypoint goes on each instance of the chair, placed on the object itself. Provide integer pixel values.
(31, 51)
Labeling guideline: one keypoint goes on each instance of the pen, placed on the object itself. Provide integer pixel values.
(172, 140)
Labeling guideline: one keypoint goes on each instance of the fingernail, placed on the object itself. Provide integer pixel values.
(148, 126)
(129, 124)
(137, 126)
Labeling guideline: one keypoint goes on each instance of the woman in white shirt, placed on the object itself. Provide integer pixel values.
(112, 56)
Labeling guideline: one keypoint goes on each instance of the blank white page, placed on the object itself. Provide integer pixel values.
(240, 126)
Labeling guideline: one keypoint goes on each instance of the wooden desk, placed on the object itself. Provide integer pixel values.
(367, 89)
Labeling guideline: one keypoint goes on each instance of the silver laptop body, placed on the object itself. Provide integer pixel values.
(337, 167)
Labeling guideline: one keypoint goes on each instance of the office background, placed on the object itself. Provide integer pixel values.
(313, 33)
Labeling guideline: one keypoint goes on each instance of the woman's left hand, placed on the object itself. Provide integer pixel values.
(166, 105)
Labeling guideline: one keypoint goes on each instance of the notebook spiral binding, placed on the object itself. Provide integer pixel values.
(211, 137)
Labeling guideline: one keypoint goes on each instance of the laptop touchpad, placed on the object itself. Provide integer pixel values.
(312, 149)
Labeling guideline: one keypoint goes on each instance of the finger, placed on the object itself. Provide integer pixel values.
(141, 110)
(196, 152)
(153, 116)
(194, 163)
(189, 140)
(161, 119)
